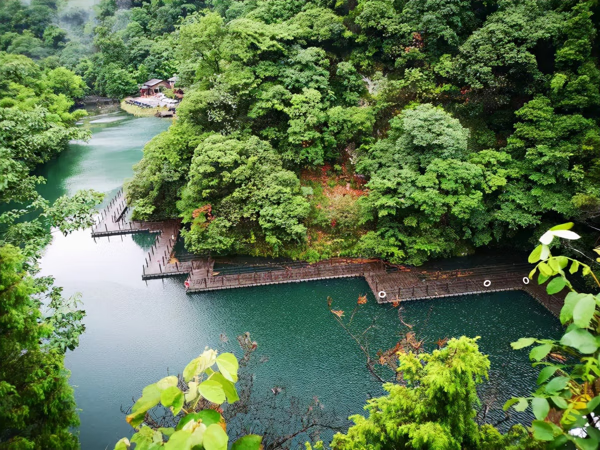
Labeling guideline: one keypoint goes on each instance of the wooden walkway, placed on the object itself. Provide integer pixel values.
(326, 270)
(159, 262)
(388, 284)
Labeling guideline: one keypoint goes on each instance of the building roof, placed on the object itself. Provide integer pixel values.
(175, 78)
(152, 82)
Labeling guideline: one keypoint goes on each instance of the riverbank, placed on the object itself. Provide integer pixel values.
(138, 111)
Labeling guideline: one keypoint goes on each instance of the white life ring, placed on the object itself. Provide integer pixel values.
(487, 283)
(382, 294)
(186, 284)
(525, 280)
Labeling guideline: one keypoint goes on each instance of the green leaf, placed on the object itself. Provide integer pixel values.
(571, 300)
(212, 391)
(192, 392)
(172, 396)
(584, 311)
(522, 343)
(534, 256)
(521, 405)
(510, 402)
(554, 264)
(581, 340)
(167, 382)
(206, 416)
(557, 384)
(564, 226)
(593, 433)
(556, 285)
(545, 269)
(228, 387)
(574, 267)
(560, 402)
(180, 440)
(563, 261)
(123, 444)
(228, 365)
(586, 444)
(149, 399)
(546, 373)
(167, 431)
(538, 353)
(249, 442)
(532, 273)
(215, 438)
(199, 364)
(540, 407)
(593, 404)
(542, 278)
(542, 431)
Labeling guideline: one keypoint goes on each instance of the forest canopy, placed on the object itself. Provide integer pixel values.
(411, 129)
(401, 129)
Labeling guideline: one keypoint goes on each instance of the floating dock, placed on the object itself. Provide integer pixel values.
(388, 283)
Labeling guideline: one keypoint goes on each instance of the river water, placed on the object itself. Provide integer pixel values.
(138, 332)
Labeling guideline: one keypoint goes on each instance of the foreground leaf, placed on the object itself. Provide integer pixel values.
(542, 431)
(580, 339)
(250, 442)
(540, 407)
(215, 438)
(212, 391)
(584, 311)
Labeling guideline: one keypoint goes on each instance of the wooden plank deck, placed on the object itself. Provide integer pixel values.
(198, 282)
(401, 285)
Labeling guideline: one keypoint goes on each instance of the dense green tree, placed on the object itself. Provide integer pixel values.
(426, 196)
(549, 153)
(434, 408)
(37, 407)
(239, 187)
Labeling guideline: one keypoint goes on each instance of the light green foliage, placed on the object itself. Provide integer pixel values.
(34, 129)
(63, 81)
(73, 213)
(192, 400)
(434, 407)
(568, 386)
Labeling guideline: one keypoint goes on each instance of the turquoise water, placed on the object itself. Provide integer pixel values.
(137, 332)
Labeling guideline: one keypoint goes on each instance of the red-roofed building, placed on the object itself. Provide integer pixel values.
(153, 86)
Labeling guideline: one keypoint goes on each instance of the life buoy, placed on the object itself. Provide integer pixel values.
(487, 283)
(525, 280)
(186, 284)
(382, 294)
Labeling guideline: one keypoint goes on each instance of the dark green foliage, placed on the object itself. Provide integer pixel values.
(238, 188)
(509, 138)
(37, 407)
